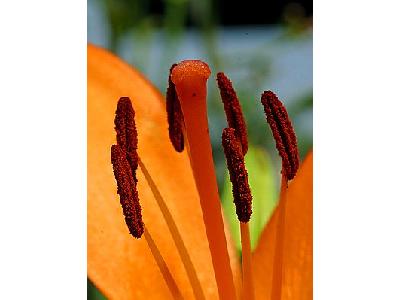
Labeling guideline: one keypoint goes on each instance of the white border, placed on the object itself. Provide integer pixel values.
(357, 150)
(43, 149)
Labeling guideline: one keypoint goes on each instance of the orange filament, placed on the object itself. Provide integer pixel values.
(247, 275)
(190, 79)
(277, 271)
(183, 252)
(169, 280)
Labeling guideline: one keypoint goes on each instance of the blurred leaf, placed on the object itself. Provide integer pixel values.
(175, 16)
(304, 102)
(93, 293)
(264, 191)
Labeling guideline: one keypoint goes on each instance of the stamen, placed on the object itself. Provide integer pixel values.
(190, 78)
(162, 265)
(127, 191)
(238, 174)
(175, 116)
(283, 133)
(126, 132)
(242, 199)
(233, 109)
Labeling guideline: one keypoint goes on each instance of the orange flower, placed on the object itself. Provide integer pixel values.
(123, 267)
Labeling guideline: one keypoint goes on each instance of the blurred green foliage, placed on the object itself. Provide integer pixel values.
(93, 293)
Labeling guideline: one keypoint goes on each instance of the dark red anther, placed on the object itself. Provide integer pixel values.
(283, 132)
(127, 191)
(126, 132)
(175, 116)
(238, 174)
(233, 109)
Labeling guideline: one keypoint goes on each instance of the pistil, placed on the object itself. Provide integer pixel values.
(190, 78)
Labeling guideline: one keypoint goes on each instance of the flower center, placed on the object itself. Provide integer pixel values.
(187, 118)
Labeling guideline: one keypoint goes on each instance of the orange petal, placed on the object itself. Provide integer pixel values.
(298, 243)
(119, 265)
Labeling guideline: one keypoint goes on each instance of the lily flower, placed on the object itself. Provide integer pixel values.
(180, 246)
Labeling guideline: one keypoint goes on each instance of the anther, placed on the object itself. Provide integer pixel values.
(127, 191)
(238, 174)
(175, 116)
(233, 109)
(282, 130)
(126, 132)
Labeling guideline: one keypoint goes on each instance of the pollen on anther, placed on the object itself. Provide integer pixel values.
(233, 109)
(283, 132)
(126, 132)
(238, 174)
(127, 191)
(175, 116)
